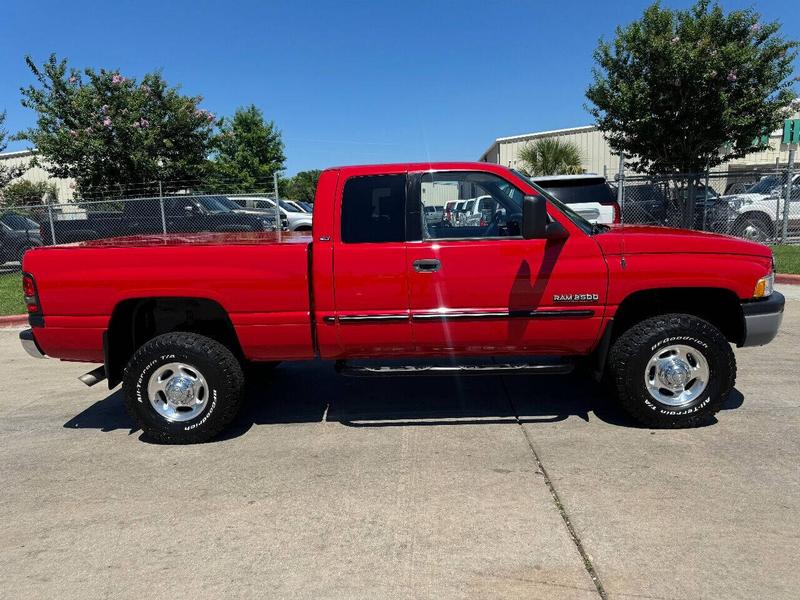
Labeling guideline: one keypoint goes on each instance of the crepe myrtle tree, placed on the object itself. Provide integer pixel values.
(113, 133)
(680, 91)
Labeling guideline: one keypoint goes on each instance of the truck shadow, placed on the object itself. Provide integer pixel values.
(314, 392)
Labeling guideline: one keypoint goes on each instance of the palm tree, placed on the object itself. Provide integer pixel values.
(551, 156)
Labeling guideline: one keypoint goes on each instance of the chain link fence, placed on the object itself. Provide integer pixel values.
(175, 207)
(762, 205)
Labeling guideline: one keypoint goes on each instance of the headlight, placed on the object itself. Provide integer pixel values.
(764, 286)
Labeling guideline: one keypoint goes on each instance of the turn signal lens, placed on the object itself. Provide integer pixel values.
(764, 286)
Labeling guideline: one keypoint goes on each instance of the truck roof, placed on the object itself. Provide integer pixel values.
(421, 166)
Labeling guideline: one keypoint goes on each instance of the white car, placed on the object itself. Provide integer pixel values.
(298, 221)
(758, 213)
(588, 195)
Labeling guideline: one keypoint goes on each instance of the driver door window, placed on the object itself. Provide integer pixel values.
(471, 204)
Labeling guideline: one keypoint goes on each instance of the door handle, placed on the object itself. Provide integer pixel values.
(427, 265)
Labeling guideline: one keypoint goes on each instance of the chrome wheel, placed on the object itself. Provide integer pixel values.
(754, 231)
(177, 391)
(677, 375)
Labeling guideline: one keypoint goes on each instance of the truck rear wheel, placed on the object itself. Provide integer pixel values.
(183, 388)
(672, 371)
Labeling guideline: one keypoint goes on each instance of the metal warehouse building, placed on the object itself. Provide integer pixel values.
(598, 157)
(64, 187)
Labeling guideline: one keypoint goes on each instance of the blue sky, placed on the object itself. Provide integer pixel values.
(346, 82)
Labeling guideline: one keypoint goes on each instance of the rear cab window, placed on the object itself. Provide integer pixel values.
(374, 209)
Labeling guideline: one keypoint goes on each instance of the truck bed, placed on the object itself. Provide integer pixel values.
(259, 279)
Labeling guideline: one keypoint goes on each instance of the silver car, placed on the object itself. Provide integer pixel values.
(298, 221)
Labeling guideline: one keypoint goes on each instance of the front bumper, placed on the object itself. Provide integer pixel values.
(29, 344)
(762, 318)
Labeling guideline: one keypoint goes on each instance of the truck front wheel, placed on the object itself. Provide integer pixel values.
(183, 388)
(672, 371)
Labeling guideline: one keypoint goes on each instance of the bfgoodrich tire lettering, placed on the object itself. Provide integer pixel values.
(632, 351)
(222, 392)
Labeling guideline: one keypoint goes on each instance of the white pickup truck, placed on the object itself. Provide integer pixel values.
(757, 214)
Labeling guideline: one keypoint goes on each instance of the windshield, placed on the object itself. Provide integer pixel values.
(216, 204)
(18, 222)
(582, 223)
(766, 185)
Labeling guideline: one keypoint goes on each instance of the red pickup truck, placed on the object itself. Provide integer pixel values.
(174, 318)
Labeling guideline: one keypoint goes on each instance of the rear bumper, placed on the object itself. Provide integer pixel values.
(29, 344)
(762, 318)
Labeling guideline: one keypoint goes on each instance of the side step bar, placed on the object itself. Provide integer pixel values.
(560, 368)
(94, 377)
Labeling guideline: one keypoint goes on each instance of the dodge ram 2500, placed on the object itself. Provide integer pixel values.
(174, 318)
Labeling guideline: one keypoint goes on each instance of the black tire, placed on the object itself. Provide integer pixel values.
(632, 352)
(224, 389)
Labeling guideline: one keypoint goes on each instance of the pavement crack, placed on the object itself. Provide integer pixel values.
(587, 561)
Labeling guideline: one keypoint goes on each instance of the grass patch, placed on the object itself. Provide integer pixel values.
(11, 302)
(787, 259)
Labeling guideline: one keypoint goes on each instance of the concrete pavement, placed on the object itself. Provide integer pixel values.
(330, 487)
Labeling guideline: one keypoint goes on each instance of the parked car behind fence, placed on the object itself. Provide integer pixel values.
(18, 234)
(138, 216)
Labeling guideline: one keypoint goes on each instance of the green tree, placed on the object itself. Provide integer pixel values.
(683, 90)
(7, 173)
(302, 186)
(247, 151)
(110, 131)
(551, 156)
(29, 193)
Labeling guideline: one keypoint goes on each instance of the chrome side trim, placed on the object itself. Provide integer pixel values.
(365, 318)
(453, 316)
(505, 314)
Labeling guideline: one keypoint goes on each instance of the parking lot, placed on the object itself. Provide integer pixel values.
(327, 487)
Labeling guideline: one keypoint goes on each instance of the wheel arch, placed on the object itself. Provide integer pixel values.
(135, 321)
(719, 306)
(755, 214)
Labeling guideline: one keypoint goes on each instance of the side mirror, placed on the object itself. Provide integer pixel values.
(190, 210)
(534, 217)
(534, 221)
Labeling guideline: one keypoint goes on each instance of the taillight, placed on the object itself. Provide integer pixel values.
(31, 294)
(617, 213)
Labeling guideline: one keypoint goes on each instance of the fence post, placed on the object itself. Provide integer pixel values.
(788, 196)
(620, 185)
(689, 205)
(277, 206)
(52, 225)
(161, 202)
